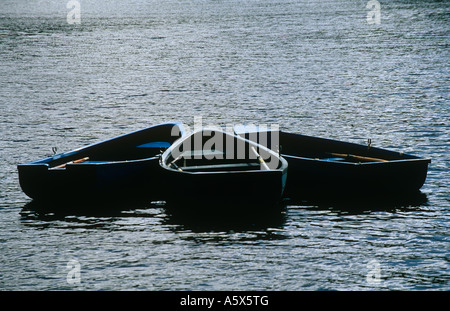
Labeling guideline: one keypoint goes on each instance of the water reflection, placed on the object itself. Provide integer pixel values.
(178, 218)
(225, 218)
(354, 204)
(227, 225)
(202, 218)
(79, 214)
(61, 209)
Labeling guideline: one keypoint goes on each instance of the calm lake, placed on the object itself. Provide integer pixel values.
(77, 72)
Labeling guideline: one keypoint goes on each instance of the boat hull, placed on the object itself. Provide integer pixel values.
(315, 167)
(231, 179)
(226, 188)
(315, 177)
(87, 182)
(124, 167)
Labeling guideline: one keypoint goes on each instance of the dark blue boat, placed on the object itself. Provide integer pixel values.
(320, 166)
(126, 166)
(212, 166)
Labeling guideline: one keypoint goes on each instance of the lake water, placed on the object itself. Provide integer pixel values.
(320, 68)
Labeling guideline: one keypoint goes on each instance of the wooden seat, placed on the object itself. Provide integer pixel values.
(230, 166)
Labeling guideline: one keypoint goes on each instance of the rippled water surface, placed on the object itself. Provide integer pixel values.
(313, 67)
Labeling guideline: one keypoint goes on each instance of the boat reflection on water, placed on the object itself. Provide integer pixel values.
(207, 216)
(53, 211)
(220, 216)
(201, 217)
(363, 203)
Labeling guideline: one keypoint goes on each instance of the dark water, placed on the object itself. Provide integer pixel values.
(317, 68)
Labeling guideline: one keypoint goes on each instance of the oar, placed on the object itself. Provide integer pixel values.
(175, 166)
(357, 157)
(260, 159)
(75, 161)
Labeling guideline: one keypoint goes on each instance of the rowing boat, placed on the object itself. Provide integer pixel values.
(320, 166)
(211, 165)
(125, 166)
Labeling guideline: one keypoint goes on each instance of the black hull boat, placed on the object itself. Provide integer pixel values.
(248, 166)
(319, 166)
(124, 167)
(212, 166)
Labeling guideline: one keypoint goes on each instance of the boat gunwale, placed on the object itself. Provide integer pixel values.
(282, 167)
(398, 156)
(45, 162)
(407, 156)
(387, 162)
